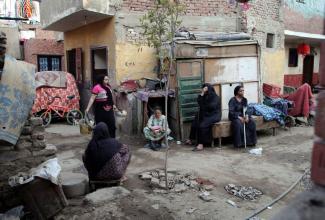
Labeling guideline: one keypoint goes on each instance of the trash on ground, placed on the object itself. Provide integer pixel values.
(232, 203)
(246, 193)
(205, 196)
(155, 206)
(177, 182)
(48, 170)
(256, 151)
(191, 210)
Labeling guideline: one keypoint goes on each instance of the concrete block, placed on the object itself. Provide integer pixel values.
(27, 130)
(39, 144)
(38, 136)
(38, 129)
(106, 195)
(49, 150)
(74, 184)
(36, 121)
(70, 164)
(21, 145)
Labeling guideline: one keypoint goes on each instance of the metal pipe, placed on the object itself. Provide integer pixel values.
(279, 197)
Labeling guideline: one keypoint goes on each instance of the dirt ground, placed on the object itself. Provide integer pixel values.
(285, 157)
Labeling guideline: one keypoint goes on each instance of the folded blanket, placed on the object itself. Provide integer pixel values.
(268, 113)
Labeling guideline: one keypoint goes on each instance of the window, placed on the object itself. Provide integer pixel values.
(293, 57)
(270, 40)
(49, 63)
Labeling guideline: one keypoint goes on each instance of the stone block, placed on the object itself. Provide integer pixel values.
(106, 195)
(27, 130)
(38, 130)
(38, 136)
(36, 121)
(41, 144)
(21, 145)
(49, 150)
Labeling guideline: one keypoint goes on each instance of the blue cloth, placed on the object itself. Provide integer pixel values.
(278, 103)
(268, 113)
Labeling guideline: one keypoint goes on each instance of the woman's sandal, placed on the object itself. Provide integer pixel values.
(188, 142)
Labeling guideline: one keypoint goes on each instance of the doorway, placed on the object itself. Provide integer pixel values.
(71, 64)
(75, 64)
(99, 64)
(308, 70)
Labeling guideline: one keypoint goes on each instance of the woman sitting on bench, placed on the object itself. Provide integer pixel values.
(239, 120)
(105, 158)
(209, 113)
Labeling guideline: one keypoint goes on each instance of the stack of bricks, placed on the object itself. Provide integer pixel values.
(318, 158)
(30, 151)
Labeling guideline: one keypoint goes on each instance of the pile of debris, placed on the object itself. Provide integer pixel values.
(30, 151)
(246, 193)
(177, 182)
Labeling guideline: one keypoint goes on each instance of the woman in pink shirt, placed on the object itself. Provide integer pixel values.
(102, 96)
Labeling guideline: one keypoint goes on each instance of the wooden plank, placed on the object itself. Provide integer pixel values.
(230, 70)
(232, 51)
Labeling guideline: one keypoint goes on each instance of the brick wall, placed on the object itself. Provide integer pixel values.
(34, 47)
(264, 17)
(192, 7)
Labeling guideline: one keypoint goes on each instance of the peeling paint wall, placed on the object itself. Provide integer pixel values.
(272, 67)
(134, 62)
(99, 34)
(305, 17)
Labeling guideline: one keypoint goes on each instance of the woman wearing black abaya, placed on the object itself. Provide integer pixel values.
(105, 158)
(238, 120)
(209, 113)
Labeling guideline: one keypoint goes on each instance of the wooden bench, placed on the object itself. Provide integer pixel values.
(223, 128)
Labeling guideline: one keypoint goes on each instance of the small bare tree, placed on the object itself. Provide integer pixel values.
(159, 25)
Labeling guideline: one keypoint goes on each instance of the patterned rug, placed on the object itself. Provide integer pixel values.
(17, 92)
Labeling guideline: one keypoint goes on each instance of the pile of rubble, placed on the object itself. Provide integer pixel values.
(177, 182)
(30, 151)
(246, 193)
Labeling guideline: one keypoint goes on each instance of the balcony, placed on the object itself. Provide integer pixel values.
(63, 15)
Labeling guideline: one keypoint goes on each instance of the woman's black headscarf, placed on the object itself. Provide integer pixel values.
(100, 149)
(236, 90)
(211, 92)
(210, 103)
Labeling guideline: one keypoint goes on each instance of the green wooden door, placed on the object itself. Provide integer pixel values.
(189, 79)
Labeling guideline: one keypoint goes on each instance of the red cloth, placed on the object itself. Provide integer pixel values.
(302, 100)
(42, 98)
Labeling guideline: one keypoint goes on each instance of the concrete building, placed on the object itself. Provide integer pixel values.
(304, 23)
(108, 33)
(26, 39)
